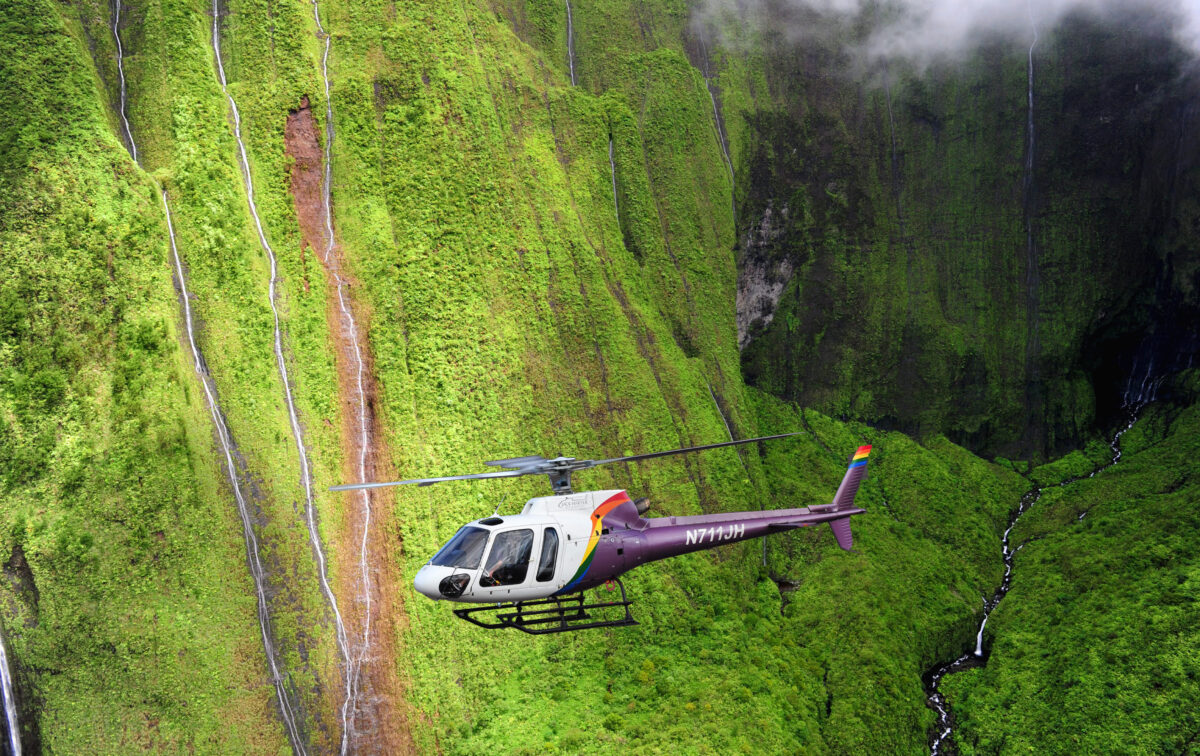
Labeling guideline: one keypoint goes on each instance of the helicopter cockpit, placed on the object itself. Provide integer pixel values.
(493, 558)
(464, 550)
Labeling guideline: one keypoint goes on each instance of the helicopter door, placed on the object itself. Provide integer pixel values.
(506, 567)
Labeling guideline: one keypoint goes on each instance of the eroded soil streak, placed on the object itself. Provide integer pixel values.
(373, 609)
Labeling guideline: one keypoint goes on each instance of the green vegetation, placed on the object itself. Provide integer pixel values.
(1096, 646)
(510, 310)
(903, 200)
(127, 605)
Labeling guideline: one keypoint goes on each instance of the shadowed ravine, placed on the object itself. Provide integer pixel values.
(941, 741)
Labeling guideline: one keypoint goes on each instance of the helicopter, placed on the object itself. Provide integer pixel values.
(586, 539)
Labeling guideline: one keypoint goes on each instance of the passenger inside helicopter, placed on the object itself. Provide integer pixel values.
(508, 561)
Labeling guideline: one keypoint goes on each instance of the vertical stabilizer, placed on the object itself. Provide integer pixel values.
(844, 498)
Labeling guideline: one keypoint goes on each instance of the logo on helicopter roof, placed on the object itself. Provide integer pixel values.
(575, 502)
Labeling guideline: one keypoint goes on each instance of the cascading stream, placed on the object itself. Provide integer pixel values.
(350, 327)
(293, 418)
(712, 97)
(11, 721)
(224, 438)
(722, 139)
(571, 43)
(116, 23)
(252, 548)
(944, 728)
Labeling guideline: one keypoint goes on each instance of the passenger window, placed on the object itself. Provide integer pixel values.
(508, 561)
(549, 553)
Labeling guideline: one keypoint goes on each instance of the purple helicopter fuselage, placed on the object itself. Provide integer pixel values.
(560, 545)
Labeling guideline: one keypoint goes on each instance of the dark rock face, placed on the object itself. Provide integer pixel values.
(939, 282)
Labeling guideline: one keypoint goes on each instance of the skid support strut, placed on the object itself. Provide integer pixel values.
(559, 614)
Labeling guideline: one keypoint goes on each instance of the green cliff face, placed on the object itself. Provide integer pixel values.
(934, 281)
(511, 304)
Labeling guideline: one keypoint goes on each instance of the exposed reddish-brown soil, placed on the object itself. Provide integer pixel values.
(381, 716)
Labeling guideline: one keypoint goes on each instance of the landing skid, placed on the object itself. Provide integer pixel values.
(552, 615)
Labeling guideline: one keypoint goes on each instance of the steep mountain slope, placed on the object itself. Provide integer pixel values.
(127, 607)
(536, 268)
(992, 247)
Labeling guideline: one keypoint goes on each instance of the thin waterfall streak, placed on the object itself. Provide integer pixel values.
(722, 139)
(252, 547)
(253, 556)
(571, 43)
(351, 326)
(10, 701)
(121, 73)
(293, 418)
(1029, 150)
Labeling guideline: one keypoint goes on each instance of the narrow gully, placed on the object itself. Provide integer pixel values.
(722, 139)
(612, 167)
(253, 551)
(11, 721)
(116, 24)
(348, 326)
(940, 738)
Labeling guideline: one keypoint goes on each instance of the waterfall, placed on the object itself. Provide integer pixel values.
(712, 97)
(224, 438)
(1032, 275)
(121, 74)
(253, 551)
(571, 43)
(305, 473)
(350, 327)
(10, 701)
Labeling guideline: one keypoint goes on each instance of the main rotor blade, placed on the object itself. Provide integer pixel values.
(651, 455)
(429, 481)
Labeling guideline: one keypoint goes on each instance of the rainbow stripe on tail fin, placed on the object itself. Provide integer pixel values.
(844, 498)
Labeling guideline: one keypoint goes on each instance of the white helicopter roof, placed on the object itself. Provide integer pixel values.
(584, 502)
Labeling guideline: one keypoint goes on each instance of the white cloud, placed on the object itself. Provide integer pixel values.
(923, 31)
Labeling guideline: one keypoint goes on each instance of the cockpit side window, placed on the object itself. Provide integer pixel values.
(549, 553)
(508, 561)
(464, 550)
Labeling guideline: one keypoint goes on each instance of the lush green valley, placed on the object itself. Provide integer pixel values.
(541, 268)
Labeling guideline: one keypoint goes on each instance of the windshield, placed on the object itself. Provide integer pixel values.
(464, 550)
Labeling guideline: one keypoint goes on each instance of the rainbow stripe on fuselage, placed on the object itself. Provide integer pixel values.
(598, 514)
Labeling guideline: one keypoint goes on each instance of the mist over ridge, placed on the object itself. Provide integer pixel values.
(925, 32)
